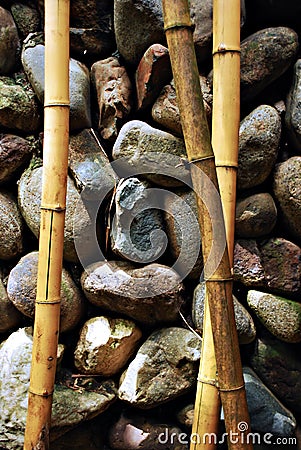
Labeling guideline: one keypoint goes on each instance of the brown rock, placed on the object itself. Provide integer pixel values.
(11, 227)
(14, 152)
(9, 43)
(248, 267)
(10, 316)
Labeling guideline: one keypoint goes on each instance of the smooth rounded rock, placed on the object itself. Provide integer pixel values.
(293, 110)
(9, 43)
(11, 227)
(21, 290)
(10, 316)
(105, 345)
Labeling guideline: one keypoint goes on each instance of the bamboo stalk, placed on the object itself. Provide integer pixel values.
(217, 269)
(225, 131)
(55, 166)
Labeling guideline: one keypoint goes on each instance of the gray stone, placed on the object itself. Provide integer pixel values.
(29, 196)
(133, 431)
(18, 105)
(293, 110)
(282, 317)
(256, 216)
(165, 110)
(244, 323)
(265, 56)
(105, 345)
(22, 285)
(10, 316)
(114, 95)
(90, 167)
(9, 43)
(278, 365)
(267, 413)
(137, 230)
(14, 152)
(259, 137)
(11, 227)
(151, 294)
(164, 368)
(26, 17)
(70, 407)
(287, 190)
(157, 154)
(33, 60)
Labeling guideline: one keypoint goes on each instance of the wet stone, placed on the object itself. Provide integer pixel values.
(259, 137)
(21, 290)
(293, 110)
(151, 294)
(164, 368)
(105, 345)
(15, 151)
(9, 43)
(11, 227)
(248, 267)
(137, 231)
(114, 95)
(282, 317)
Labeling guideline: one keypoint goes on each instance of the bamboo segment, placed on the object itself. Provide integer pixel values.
(217, 268)
(55, 166)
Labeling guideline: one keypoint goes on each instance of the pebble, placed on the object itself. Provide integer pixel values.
(11, 227)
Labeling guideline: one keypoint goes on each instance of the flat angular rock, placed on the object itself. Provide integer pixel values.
(9, 43)
(137, 231)
(10, 316)
(164, 368)
(287, 191)
(105, 345)
(256, 215)
(90, 166)
(282, 317)
(33, 60)
(14, 152)
(259, 137)
(265, 56)
(70, 407)
(165, 110)
(21, 290)
(244, 323)
(114, 95)
(150, 151)
(11, 227)
(150, 294)
(152, 74)
(29, 197)
(18, 105)
(293, 110)
(267, 413)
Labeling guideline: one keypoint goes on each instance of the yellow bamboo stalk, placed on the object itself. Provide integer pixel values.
(225, 131)
(55, 166)
(218, 281)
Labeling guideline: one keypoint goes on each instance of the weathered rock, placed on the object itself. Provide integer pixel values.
(105, 345)
(293, 110)
(181, 214)
(244, 323)
(278, 366)
(26, 17)
(152, 152)
(185, 415)
(256, 215)
(165, 110)
(152, 74)
(33, 60)
(134, 431)
(10, 316)
(70, 407)
(287, 190)
(14, 152)
(29, 196)
(137, 230)
(164, 368)
(91, 13)
(151, 294)
(282, 317)
(18, 106)
(21, 290)
(267, 413)
(265, 55)
(88, 44)
(90, 166)
(248, 267)
(11, 227)
(114, 95)
(9, 43)
(259, 137)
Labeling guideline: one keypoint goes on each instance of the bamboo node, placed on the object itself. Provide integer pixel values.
(227, 164)
(237, 388)
(211, 381)
(217, 279)
(56, 208)
(44, 393)
(196, 160)
(223, 48)
(54, 301)
(51, 104)
(182, 24)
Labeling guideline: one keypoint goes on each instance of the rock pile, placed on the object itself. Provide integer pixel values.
(132, 291)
